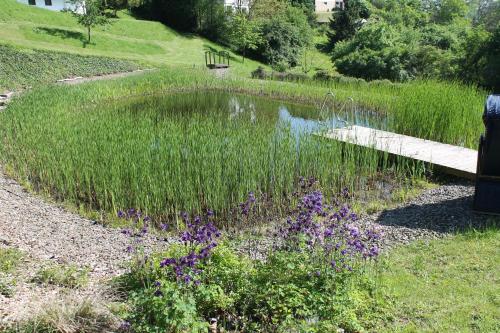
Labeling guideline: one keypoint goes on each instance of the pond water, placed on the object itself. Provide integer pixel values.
(259, 110)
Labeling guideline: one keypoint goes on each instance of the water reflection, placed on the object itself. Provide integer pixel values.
(301, 119)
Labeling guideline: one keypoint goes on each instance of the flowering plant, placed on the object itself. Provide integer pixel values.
(332, 232)
(199, 240)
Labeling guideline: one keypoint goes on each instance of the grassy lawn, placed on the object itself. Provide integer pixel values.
(449, 285)
(146, 42)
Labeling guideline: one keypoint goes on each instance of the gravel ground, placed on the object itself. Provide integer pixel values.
(434, 213)
(48, 234)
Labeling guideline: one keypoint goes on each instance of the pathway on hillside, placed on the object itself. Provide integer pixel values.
(79, 79)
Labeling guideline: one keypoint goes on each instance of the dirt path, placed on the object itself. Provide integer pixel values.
(79, 79)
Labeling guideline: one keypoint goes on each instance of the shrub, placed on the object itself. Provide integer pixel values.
(309, 281)
(259, 73)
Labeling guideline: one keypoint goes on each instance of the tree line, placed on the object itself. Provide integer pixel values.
(401, 40)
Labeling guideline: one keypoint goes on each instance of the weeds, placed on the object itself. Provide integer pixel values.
(61, 275)
(69, 316)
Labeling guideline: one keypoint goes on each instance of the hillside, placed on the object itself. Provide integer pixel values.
(147, 42)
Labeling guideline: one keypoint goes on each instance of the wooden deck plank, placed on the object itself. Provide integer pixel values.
(452, 159)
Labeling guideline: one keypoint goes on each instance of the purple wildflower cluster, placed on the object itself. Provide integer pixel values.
(199, 238)
(247, 205)
(333, 230)
(140, 226)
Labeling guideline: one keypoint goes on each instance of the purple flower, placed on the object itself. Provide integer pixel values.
(125, 326)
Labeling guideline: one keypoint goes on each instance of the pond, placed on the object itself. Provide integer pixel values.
(258, 110)
(189, 151)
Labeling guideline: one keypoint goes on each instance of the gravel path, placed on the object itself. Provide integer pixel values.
(48, 234)
(434, 213)
(79, 79)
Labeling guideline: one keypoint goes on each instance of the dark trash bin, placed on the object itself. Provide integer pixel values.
(487, 198)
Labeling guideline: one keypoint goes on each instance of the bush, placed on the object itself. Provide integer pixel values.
(309, 282)
(259, 73)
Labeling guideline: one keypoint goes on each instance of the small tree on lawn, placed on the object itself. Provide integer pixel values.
(89, 14)
(244, 33)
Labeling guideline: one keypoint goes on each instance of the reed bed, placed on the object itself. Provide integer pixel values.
(119, 144)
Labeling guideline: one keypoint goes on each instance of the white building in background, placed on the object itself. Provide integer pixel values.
(243, 5)
(56, 5)
(325, 6)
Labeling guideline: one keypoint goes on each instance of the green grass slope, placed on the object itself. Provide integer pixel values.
(21, 68)
(147, 42)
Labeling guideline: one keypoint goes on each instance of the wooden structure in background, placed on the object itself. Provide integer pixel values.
(215, 59)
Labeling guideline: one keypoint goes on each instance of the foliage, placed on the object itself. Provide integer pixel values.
(311, 291)
(62, 275)
(24, 68)
(9, 259)
(267, 9)
(243, 33)
(214, 163)
(206, 17)
(89, 14)
(284, 38)
(67, 316)
(344, 23)
(488, 14)
(404, 40)
(260, 73)
(481, 59)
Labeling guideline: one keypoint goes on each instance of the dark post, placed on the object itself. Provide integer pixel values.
(487, 198)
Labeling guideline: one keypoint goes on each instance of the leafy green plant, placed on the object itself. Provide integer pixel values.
(61, 275)
(9, 259)
(298, 287)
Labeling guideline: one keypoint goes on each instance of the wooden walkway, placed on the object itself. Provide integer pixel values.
(453, 160)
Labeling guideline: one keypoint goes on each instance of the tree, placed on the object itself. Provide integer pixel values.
(284, 38)
(448, 10)
(345, 23)
(89, 14)
(243, 33)
(267, 9)
(481, 63)
(116, 5)
(488, 14)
